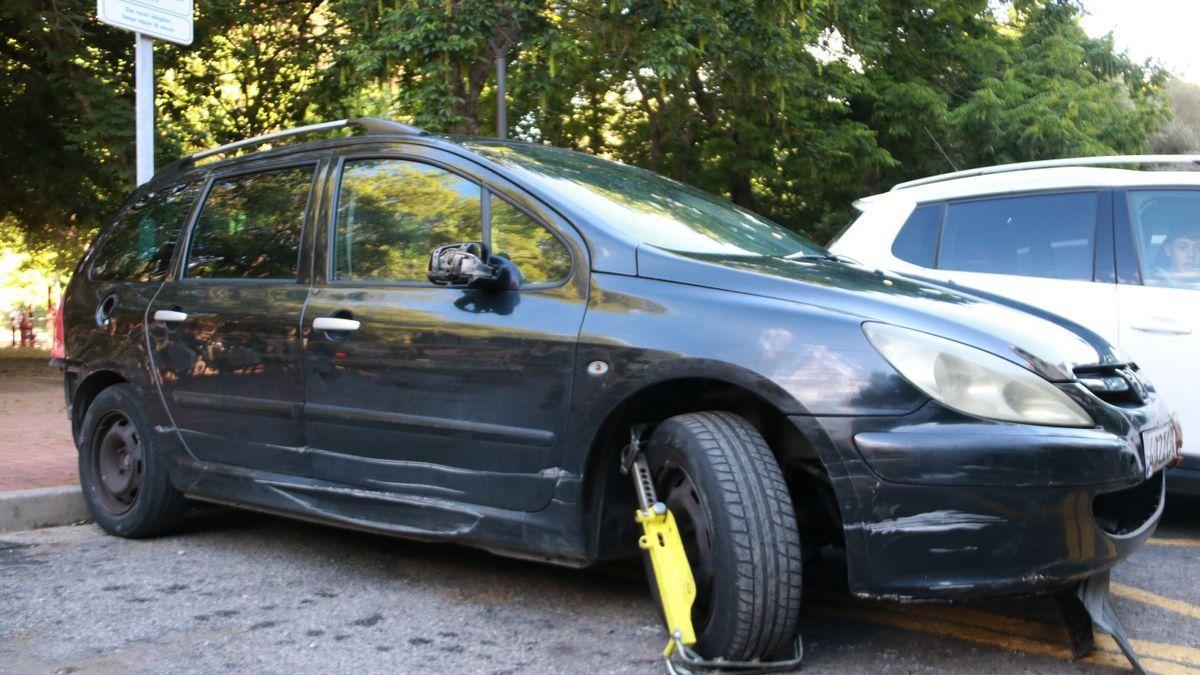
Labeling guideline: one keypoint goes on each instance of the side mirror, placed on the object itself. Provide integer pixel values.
(465, 265)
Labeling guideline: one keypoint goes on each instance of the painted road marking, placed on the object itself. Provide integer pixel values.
(1162, 602)
(1008, 633)
(1159, 541)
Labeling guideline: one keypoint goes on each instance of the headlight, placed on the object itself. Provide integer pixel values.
(973, 381)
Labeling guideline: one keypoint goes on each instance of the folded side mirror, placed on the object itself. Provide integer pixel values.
(465, 265)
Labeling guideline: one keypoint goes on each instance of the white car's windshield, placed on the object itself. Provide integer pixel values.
(647, 207)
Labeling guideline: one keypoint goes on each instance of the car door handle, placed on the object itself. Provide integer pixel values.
(335, 324)
(1157, 325)
(169, 316)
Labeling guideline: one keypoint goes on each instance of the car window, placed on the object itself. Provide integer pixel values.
(917, 241)
(141, 242)
(539, 255)
(393, 213)
(250, 226)
(646, 207)
(1166, 232)
(1047, 235)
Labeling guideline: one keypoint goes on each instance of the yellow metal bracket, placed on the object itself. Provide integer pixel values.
(672, 573)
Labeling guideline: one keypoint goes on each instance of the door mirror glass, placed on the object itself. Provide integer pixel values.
(465, 265)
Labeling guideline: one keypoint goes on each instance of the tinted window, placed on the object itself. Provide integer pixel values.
(1166, 231)
(392, 214)
(1051, 236)
(140, 245)
(917, 241)
(250, 226)
(535, 251)
(646, 207)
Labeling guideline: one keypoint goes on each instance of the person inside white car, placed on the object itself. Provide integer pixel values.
(1178, 259)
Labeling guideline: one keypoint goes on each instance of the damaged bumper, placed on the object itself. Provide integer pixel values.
(936, 505)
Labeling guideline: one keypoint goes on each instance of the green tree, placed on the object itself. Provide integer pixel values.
(432, 61)
(1057, 93)
(792, 108)
(1182, 133)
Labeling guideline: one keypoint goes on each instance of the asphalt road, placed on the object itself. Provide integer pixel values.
(242, 592)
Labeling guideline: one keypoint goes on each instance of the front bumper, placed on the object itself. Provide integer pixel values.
(936, 505)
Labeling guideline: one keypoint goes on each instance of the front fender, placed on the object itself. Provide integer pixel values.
(803, 360)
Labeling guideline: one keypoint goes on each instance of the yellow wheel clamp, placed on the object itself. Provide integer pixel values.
(673, 575)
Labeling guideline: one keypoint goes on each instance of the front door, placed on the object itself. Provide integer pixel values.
(225, 332)
(441, 391)
(1160, 298)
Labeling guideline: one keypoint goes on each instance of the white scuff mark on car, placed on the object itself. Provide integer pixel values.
(934, 521)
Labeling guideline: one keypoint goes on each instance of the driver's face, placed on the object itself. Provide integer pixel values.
(1183, 253)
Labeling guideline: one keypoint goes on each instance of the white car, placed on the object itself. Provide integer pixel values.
(1115, 250)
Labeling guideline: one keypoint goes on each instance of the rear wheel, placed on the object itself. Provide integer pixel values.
(122, 469)
(735, 516)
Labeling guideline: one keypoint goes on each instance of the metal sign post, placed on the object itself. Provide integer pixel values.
(169, 20)
(144, 93)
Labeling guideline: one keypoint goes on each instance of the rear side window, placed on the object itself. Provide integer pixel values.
(1166, 231)
(1050, 236)
(534, 250)
(917, 241)
(393, 213)
(250, 226)
(140, 244)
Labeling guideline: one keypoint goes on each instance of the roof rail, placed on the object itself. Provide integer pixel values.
(1052, 163)
(372, 126)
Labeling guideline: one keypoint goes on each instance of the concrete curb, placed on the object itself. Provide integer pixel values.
(41, 507)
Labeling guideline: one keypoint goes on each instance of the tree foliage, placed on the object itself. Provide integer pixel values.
(792, 108)
(1182, 133)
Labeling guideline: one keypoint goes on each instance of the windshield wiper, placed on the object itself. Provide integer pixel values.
(832, 257)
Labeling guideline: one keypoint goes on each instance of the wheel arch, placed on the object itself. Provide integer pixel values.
(608, 499)
(86, 391)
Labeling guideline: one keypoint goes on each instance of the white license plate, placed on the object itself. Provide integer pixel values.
(1158, 447)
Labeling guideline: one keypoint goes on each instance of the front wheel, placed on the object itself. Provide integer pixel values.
(735, 516)
(123, 470)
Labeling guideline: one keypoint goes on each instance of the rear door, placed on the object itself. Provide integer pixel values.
(441, 391)
(225, 330)
(1053, 251)
(1159, 263)
(107, 308)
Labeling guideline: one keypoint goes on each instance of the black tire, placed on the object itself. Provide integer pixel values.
(734, 512)
(123, 468)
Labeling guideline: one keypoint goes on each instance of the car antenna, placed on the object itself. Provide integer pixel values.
(939, 147)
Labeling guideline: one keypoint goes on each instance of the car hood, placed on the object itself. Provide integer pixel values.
(1045, 343)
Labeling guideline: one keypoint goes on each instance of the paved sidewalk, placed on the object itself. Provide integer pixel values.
(35, 438)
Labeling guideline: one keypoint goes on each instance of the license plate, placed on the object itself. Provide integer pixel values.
(1158, 447)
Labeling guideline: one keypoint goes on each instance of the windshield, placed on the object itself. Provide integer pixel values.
(646, 207)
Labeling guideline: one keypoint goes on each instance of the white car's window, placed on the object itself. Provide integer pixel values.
(917, 241)
(1166, 229)
(1047, 235)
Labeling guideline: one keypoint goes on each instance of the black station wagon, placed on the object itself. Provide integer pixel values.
(454, 339)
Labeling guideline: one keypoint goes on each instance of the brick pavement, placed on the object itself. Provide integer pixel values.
(35, 438)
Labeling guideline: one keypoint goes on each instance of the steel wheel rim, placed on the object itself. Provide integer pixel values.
(117, 463)
(678, 491)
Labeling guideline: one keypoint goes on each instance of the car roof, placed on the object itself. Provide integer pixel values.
(1030, 180)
